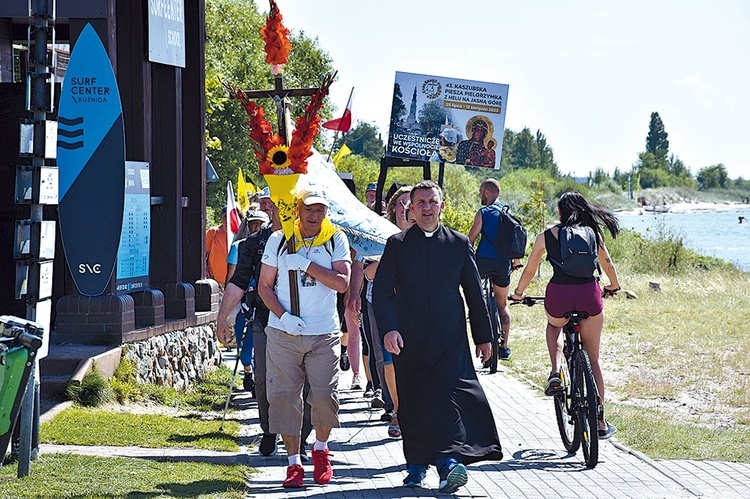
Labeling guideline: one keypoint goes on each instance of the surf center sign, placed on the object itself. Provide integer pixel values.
(447, 120)
(91, 164)
(166, 32)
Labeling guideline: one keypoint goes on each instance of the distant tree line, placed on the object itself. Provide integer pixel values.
(656, 167)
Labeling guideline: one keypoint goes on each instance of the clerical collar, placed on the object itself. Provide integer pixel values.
(430, 234)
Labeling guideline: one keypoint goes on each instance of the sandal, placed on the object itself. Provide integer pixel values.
(554, 385)
(394, 430)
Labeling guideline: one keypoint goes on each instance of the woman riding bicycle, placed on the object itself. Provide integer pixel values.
(566, 293)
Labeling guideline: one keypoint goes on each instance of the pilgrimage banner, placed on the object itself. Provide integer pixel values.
(450, 120)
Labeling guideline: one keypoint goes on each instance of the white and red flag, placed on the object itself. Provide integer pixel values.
(344, 123)
(233, 215)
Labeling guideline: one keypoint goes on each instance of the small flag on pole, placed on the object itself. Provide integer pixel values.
(233, 215)
(344, 123)
(343, 151)
(243, 196)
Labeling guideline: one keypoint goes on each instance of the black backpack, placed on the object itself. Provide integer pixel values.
(510, 239)
(578, 251)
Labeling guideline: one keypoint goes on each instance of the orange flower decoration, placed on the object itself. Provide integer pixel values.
(264, 139)
(307, 127)
(276, 36)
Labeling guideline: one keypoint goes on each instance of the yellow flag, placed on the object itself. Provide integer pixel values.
(251, 187)
(242, 196)
(343, 151)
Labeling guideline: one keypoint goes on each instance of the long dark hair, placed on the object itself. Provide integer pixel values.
(577, 210)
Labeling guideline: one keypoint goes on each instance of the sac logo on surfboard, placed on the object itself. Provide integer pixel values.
(91, 163)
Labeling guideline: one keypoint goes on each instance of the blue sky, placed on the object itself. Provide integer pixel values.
(587, 74)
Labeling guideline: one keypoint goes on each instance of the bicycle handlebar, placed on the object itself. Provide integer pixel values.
(529, 301)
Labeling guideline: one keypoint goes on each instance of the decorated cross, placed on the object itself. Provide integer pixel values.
(282, 156)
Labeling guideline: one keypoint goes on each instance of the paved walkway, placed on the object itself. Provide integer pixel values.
(369, 464)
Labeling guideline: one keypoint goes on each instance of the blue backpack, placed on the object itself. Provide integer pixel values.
(510, 238)
(578, 251)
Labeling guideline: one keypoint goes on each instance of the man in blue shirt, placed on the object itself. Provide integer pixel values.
(490, 264)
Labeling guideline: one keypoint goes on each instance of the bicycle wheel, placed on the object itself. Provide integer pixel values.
(565, 412)
(495, 324)
(587, 415)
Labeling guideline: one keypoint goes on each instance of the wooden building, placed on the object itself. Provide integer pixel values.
(164, 117)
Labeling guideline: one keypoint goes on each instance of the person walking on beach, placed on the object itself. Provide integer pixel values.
(305, 347)
(444, 415)
(566, 292)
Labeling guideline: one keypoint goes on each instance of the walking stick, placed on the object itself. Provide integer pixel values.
(248, 322)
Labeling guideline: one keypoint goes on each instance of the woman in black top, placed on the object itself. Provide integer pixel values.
(567, 292)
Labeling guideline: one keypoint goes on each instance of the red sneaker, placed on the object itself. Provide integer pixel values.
(295, 475)
(322, 471)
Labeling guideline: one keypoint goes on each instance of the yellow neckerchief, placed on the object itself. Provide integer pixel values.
(327, 230)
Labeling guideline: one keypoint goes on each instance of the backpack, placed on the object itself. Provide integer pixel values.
(578, 251)
(510, 239)
(257, 243)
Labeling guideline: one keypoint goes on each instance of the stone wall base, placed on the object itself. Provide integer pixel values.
(176, 358)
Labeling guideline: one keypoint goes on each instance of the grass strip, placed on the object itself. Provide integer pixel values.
(93, 426)
(74, 476)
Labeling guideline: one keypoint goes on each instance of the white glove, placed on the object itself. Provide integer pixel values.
(292, 324)
(295, 261)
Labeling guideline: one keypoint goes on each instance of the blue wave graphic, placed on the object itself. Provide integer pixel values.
(70, 121)
(70, 146)
(69, 133)
(76, 131)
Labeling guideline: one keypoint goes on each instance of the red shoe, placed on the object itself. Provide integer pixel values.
(322, 471)
(295, 475)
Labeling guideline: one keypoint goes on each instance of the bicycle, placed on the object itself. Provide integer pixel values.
(578, 407)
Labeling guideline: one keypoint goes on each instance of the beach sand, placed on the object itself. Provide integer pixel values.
(688, 207)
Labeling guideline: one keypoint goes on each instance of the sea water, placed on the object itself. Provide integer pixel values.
(718, 234)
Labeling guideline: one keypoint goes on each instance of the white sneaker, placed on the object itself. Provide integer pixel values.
(356, 382)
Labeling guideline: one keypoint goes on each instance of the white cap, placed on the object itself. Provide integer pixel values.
(265, 193)
(257, 215)
(310, 196)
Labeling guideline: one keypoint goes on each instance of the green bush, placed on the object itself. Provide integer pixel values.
(93, 391)
(124, 382)
(664, 253)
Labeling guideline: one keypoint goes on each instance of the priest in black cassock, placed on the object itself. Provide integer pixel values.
(443, 412)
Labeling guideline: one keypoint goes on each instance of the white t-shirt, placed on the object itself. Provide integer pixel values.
(317, 301)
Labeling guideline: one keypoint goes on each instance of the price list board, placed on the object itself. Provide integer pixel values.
(133, 255)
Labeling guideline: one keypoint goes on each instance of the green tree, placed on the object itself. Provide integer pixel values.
(364, 139)
(652, 170)
(653, 177)
(681, 173)
(234, 54)
(507, 160)
(713, 177)
(656, 140)
(525, 151)
(621, 177)
(546, 157)
(534, 210)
